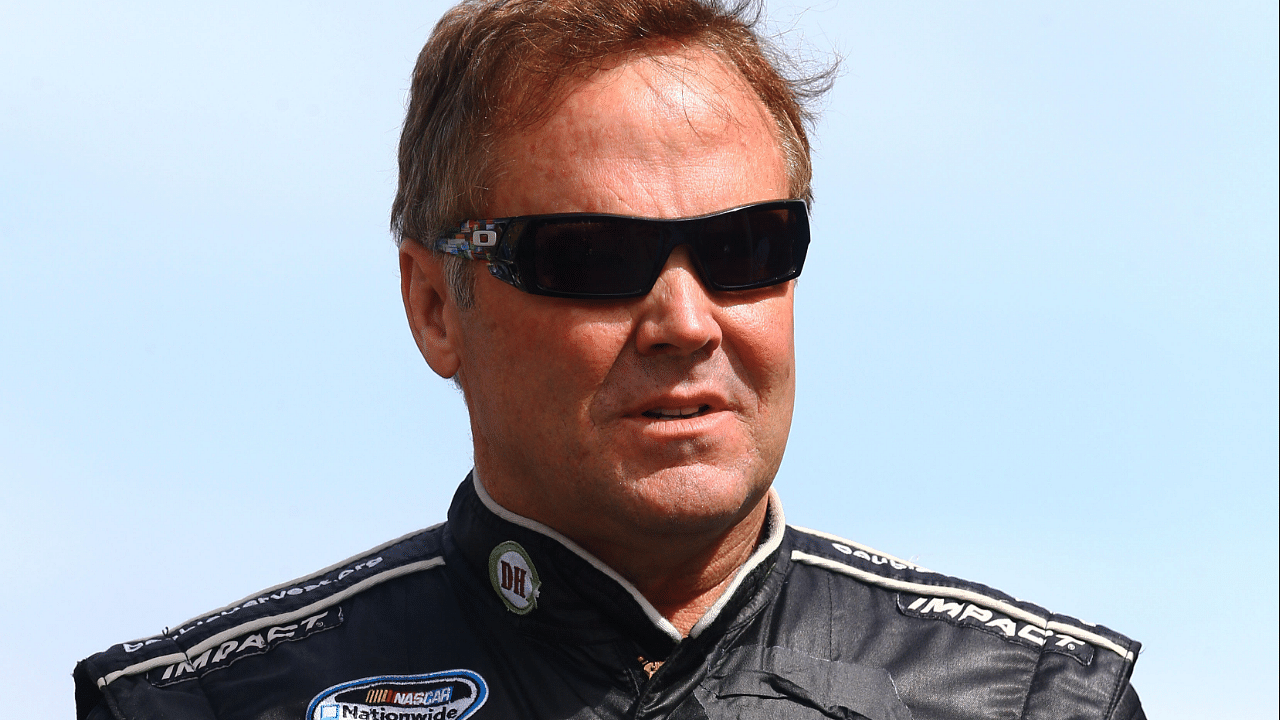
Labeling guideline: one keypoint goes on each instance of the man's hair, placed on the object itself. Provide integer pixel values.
(494, 67)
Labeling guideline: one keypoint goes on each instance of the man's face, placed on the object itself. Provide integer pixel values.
(668, 414)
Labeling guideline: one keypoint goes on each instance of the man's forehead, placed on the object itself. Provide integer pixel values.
(681, 115)
(668, 78)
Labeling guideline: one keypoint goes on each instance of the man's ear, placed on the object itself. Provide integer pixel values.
(433, 318)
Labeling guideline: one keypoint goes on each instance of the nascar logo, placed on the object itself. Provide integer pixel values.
(399, 697)
(449, 695)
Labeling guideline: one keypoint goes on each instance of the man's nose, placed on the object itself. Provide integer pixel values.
(678, 316)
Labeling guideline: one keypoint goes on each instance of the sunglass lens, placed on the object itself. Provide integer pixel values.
(752, 247)
(599, 257)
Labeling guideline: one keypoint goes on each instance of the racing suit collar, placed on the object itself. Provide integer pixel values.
(577, 594)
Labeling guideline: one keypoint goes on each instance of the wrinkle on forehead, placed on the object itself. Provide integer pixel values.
(672, 112)
(689, 85)
(700, 94)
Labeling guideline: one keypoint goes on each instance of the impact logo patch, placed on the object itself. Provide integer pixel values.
(223, 654)
(448, 695)
(965, 614)
(514, 577)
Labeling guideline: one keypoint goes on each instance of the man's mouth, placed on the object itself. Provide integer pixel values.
(677, 413)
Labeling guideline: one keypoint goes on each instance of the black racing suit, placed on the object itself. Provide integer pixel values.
(492, 615)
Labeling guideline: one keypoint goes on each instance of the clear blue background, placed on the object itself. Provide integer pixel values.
(1037, 336)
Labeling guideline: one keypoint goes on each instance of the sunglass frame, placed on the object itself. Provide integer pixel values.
(498, 242)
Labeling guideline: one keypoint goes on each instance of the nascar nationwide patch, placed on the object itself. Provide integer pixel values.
(448, 695)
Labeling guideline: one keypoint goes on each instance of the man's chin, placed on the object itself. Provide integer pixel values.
(694, 499)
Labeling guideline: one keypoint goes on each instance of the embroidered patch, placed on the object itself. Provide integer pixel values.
(216, 657)
(448, 695)
(514, 577)
(964, 614)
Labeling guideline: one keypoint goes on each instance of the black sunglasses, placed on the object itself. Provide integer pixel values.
(585, 255)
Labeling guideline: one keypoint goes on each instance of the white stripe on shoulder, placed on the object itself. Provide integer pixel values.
(303, 580)
(244, 628)
(859, 546)
(959, 594)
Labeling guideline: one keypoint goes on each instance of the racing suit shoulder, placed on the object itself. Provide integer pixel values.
(149, 677)
(957, 648)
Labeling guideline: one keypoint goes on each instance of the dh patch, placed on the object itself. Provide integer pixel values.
(514, 577)
(447, 695)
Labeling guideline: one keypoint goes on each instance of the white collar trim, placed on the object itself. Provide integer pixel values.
(774, 523)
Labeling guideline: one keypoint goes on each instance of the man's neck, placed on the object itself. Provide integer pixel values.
(681, 574)
(684, 591)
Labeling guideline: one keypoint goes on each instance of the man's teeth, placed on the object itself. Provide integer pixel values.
(676, 412)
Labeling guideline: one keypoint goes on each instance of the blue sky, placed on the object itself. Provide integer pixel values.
(1037, 336)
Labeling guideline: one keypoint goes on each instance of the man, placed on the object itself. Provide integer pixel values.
(601, 218)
